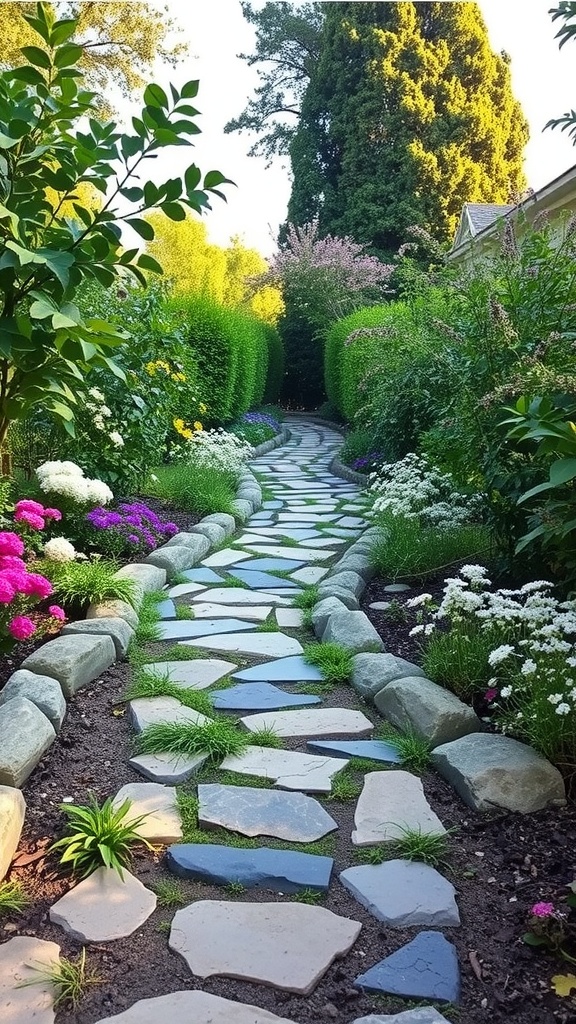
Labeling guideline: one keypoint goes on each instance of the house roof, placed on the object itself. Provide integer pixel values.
(482, 215)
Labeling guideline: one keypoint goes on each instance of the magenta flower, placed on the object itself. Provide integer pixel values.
(490, 695)
(57, 612)
(21, 627)
(27, 505)
(31, 519)
(37, 586)
(542, 909)
(53, 513)
(13, 563)
(10, 543)
(7, 590)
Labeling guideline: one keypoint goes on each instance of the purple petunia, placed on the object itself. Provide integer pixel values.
(134, 523)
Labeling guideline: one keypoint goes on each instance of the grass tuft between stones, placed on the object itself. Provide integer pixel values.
(169, 893)
(149, 684)
(334, 662)
(70, 979)
(218, 738)
(13, 898)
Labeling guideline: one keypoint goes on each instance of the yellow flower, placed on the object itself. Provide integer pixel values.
(198, 425)
(178, 376)
(202, 408)
(150, 369)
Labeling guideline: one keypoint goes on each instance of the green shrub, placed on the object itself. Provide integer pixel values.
(275, 367)
(78, 584)
(335, 355)
(200, 490)
(411, 551)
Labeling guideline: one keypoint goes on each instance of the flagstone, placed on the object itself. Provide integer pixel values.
(25, 996)
(186, 629)
(146, 711)
(166, 609)
(373, 750)
(288, 946)
(249, 613)
(311, 722)
(268, 645)
(182, 589)
(162, 823)
(325, 542)
(310, 575)
(289, 618)
(192, 1008)
(169, 769)
(202, 575)
(290, 769)
(258, 580)
(305, 554)
(284, 871)
(267, 564)
(251, 811)
(272, 504)
(352, 521)
(235, 596)
(287, 670)
(390, 802)
(426, 968)
(228, 556)
(306, 517)
(104, 907)
(258, 697)
(195, 674)
(404, 894)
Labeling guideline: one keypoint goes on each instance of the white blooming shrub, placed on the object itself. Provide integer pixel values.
(58, 549)
(218, 449)
(414, 489)
(519, 644)
(67, 480)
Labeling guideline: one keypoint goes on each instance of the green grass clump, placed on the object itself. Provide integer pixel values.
(345, 786)
(319, 689)
(411, 551)
(334, 662)
(414, 750)
(413, 844)
(176, 652)
(184, 611)
(231, 581)
(235, 888)
(13, 898)
(268, 626)
(218, 739)
(169, 893)
(99, 836)
(148, 629)
(155, 685)
(458, 659)
(265, 737)
(70, 978)
(197, 489)
(78, 584)
(309, 896)
(308, 598)
(228, 778)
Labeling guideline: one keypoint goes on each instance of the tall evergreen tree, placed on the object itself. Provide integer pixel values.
(408, 114)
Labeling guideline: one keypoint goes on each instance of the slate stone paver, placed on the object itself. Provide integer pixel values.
(145, 711)
(186, 629)
(104, 907)
(420, 1015)
(183, 589)
(403, 894)
(192, 1008)
(195, 674)
(23, 1003)
(259, 697)
(268, 645)
(260, 580)
(202, 574)
(313, 722)
(169, 769)
(269, 564)
(290, 769)
(374, 750)
(237, 596)
(426, 968)
(391, 801)
(158, 804)
(288, 946)
(280, 870)
(284, 670)
(294, 817)
(247, 612)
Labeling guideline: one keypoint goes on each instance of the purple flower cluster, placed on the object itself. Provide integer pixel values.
(261, 419)
(366, 462)
(133, 522)
(304, 249)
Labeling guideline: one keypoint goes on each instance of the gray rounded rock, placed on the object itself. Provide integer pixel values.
(322, 612)
(214, 534)
(73, 660)
(347, 580)
(242, 509)
(353, 631)
(175, 558)
(359, 563)
(415, 704)
(44, 691)
(113, 609)
(228, 523)
(118, 629)
(25, 735)
(147, 578)
(12, 811)
(372, 672)
(326, 590)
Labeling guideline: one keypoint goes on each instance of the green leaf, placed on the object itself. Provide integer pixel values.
(190, 90)
(66, 56)
(174, 211)
(154, 96)
(26, 74)
(25, 256)
(62, 31)
(533, 940)
(142, 228)
(133, 195)
(42, 308)
(562, 471)
(214, 178)
(146, 262)
(60, 320)
(187, 110)
(192, 177)
(39, 58)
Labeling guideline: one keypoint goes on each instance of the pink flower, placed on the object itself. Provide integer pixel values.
(21, 627)
(37, 586)
(57, 612)
(7, 590)
(10, 543)
(31, 519)
(490, 695)
(17, 580)
(542, 909)
(27, 505)
(13, 563)
(53, 513)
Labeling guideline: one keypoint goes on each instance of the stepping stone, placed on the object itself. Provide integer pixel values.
(195, 674)
(183, 589)
(169, 769)
(390, 802)
(248, 613)
(185, 629)
(193, 1008)
(280, 531)
(280, 870)
(352, 521)
(285, 670)
(258, 580)
(381, 606)
(289, 594)
(422, 1015)
(396, 588)
(288, 946)
(289, 618)
(162, 823)
(259, 697)
(325, 542)
(272, 504)
(12, 812)
(166, 609)
(315, 722)
(404, 894)
(307, 517)
(261, 644)
(374, 750)
(290, 769)
(263, 812)
(306, 554)
(269, 564)
(310, 575)
(202, 575)
(104, 907)
(228, 556)
(426, 968)
(236, 596)
(20, 1002)
(145, 711)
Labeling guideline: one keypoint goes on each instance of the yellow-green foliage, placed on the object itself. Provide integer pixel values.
(196, 267)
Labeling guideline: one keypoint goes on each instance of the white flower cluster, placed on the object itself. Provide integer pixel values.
(413, 489)
(96, 404)
(67, 480)
(218, 449)
(59, 550)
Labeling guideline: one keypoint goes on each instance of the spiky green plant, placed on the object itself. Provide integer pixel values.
(414, 751)
(308, 598)
(79, 584)
(13, 898)
(99, 836)
(428, 847)
(217, 739)
(70, 979)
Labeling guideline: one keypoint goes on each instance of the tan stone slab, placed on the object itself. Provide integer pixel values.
(33, 1004)
(194, 1008)
(195, 674)
(291, 769)
(12, 810)
(311, 722)
(145, 711)
(162, 823)
(104, 907)
(390, 802)
(251, 613)
(288, 946)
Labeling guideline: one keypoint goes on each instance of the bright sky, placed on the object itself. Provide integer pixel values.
(216, 31)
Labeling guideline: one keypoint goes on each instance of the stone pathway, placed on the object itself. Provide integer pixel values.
(250, 636)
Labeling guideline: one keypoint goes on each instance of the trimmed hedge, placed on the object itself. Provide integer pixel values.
(275, 374)
(234, 351)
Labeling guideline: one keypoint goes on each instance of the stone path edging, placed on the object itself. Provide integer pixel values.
(33, 712)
